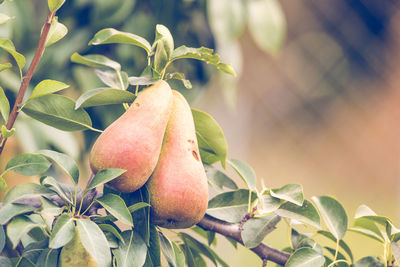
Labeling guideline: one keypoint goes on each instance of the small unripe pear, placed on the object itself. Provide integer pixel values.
(178, 187)
(133, 142)
(74, 254)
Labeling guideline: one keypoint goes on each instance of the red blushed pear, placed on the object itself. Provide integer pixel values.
(133, 142)
(178, 187)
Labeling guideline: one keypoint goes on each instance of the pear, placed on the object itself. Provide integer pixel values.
(178, 188)
(74, 254)
(133, 142)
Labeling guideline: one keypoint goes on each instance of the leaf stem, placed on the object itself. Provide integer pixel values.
(26, 80)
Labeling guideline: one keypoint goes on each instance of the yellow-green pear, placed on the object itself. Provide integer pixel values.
(178, 187)
(74, 254)
(133, 142)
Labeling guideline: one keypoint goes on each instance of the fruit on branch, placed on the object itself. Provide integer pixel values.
(74, 254)
(133, 142)
(178, 187)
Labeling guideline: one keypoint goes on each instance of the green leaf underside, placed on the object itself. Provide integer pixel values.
(290, 192)
(18, 227)
(212, 143)
(49, 208)
(95, 61)
(8, 46)
(333, 214)
(104, 176)
(219, 178)
(203, 54)
(245, 172)
(63, 232)
(54, 186)
(305, 257)
(112, 230)
(47, 87)
(22, 190)
(4, 105)
(66, 163)
(179, 76)
(59, 112)
(167, 249)
(112, 80)
(56, 33)
(94, 241)
(307, 213)
(28, 164)
(104, 96)
(133, 252)
(230, 206)
(367, 228)
(113, 36)
(256, 229)
(116, 206)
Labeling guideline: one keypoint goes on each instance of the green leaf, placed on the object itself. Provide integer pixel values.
(256, 229)
(396, 251)
(94, 241)
(290, 192)
(307, 213)
(59, 112)
(5, 66)
(369, 262)
(2, 239)
(218, 178)
(48, 258)
(113, 36)
(54, 186)
(138, 206)
(364, 211)
(3, 184)
(47, 87)
(63, 232)
(95, 61)
(22, 190)
(4, 18)
(7, 133)
(112, 230)
(133, 252)
(104, 176)
(5, 262)
(104, 96)
(305, 257)
(65, 162)
(18, 227)
(10, 210)
(198, 246)
(367, 228)
(179, 255)
(267, 24)
(164, 47)
(267, 204)
(56, 32)
(28, 164)
(179, 76)
(339, 256)
(153, 249)
(334, 215)
(167, 249)
(230, 206)
(8, 46)
(116, 206)
(342, 244)
(4, 105)
(111, 78)
(211, 139)
(245, 172)
(203, 54)
(54, 5)
(49, 208)
(142, 80)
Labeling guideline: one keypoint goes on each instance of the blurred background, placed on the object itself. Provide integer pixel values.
(316, 100)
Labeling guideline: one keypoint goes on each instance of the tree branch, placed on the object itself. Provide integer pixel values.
(26, 80)
(264, 251)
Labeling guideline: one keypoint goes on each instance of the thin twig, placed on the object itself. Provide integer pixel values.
(26, 80)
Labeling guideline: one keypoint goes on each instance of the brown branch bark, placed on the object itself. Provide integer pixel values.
(27, 78)
(265, 252)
